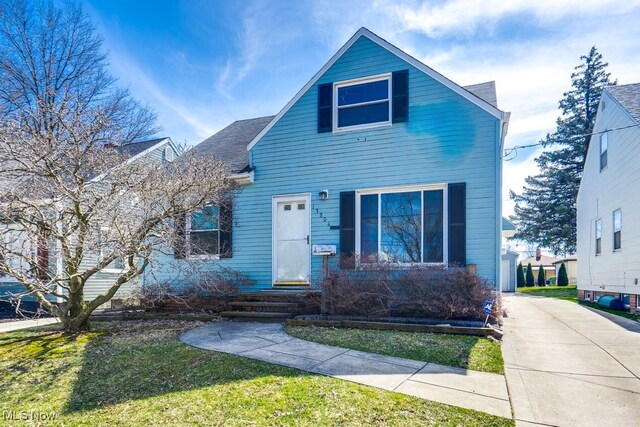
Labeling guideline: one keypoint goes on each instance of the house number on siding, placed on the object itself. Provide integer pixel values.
(321, 215)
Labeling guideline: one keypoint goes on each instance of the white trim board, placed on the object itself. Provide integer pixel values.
(399, 53)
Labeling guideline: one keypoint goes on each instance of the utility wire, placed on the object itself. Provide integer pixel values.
(513, 151)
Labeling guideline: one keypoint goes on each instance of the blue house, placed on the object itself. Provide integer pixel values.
(378, 155)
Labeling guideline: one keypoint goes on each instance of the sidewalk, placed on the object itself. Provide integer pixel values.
(268, 342)
(26, 324)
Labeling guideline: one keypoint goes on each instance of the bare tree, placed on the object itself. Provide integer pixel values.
(71, 204)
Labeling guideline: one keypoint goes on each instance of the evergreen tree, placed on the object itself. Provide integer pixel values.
(520, 276)
(541, 278)
(563, 277)
(545, 212)
(530, 281)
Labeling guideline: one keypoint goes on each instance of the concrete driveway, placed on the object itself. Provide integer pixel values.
(567, 365)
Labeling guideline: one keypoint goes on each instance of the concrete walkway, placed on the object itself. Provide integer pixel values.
(268, 342)
(567, 365)
(26, 324)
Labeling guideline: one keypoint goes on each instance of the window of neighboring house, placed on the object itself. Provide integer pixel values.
(168, 154)
(595, 296)
(203, 232)
(106, 246)
(598, 236)
(638, 301)
(625, 299)
(587, 295)
(402, 226)
(604, 145)
(617, 229)
(362, 103)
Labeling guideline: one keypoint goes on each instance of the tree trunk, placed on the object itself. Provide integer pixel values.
(76, 317)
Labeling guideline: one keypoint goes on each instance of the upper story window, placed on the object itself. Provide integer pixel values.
(598, 236)
(167, 154)
(362, 103)
(604, 145)
(203, 232)
(617, 229)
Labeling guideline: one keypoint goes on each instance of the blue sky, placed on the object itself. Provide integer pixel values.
(203, 64)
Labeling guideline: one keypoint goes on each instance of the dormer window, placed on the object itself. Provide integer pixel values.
(362, 103)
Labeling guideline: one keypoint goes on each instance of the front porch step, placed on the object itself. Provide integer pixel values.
(267, 306)
(257, 316)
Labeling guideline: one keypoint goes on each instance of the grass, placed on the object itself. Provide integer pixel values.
(480, 354)
(568, 293)
(138, 373)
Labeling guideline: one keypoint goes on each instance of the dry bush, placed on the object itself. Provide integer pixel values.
(384, 289)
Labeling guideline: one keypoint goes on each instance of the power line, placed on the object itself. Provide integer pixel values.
(514, 150)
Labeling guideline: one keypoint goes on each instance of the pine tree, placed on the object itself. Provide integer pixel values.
(541, 278)
(530, 281)
(563, 277)
(520, 281)
(545, 212)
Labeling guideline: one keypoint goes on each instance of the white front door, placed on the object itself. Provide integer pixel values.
(291, 249)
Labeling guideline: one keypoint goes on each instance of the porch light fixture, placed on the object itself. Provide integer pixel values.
(323, 194)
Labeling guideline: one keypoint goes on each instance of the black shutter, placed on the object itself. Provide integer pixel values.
(325, 107)
(347, 229)
(226, 227)
(180, 238)
(400, 90)
(457, 225)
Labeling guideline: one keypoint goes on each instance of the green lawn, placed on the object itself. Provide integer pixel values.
(569, 293)
(138, 373)
(480, 354)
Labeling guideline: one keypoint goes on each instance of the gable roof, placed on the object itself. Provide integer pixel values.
(545, 261)
(628, 96)
(364, 32)
(230, 144)
(134, 148)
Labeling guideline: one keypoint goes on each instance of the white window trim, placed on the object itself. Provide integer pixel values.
(214, 257)
(604, 135)
(368, 79)
(595, 226)
(402, 189)
(613, 234)
(101, 256)
(168, 149)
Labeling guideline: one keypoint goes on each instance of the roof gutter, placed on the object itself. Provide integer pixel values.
(244, 178)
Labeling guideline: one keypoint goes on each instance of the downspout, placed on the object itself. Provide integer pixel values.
(504, 127)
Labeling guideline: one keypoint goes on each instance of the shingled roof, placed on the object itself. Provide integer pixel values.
(230, 144)
(485, 91)
(135, 148)
(628, 96)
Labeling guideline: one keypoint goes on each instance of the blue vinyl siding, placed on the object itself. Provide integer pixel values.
(446, 139)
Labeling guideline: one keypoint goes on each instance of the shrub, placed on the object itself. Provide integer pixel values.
(520, 276)
(530, 281)
(541, 278)
(563, 277)
(384, 289)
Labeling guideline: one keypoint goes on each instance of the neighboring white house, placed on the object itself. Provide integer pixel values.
(609, 200)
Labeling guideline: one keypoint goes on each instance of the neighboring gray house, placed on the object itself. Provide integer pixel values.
(609, 201)
(156, 150)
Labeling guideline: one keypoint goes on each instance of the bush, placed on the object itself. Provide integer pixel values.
(530, 281)
(541, 278)
(520, 276)
(563, 277)
(384, 289)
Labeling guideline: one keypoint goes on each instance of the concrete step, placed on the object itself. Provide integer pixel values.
(257, 316)
(267, 306)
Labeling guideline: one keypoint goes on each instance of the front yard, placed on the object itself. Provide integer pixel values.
(479, 354)
(138, 373)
